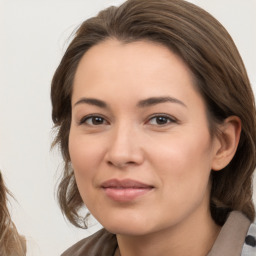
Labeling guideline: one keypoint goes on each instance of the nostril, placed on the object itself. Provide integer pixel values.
(120, 165)
(109, 163)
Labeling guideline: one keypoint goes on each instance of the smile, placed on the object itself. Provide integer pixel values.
(125, 190)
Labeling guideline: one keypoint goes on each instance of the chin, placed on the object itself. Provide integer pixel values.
(127, 226)
(128, 230)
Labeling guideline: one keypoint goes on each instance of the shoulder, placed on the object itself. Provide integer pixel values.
(101, 243)
(249, 248)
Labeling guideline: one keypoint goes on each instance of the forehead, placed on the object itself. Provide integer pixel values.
(133, 72)
(137, 53)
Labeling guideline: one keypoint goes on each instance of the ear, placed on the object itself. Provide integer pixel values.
(226, 142)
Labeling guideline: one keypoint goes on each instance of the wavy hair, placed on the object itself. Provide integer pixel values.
(219, 74)
(11, 243)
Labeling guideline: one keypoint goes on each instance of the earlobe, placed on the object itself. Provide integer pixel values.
(228, 139)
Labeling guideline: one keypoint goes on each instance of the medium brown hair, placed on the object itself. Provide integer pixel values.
(219, 74)
(11, 243)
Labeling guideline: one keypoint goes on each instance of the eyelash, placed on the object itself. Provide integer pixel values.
(166, 117)
(93, 116)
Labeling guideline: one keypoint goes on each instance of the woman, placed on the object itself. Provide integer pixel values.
(156, 124)
(11, 243)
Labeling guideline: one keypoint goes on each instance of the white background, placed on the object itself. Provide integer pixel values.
(33, 37)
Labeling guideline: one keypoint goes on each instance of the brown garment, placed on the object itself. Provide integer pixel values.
(102, 243)
(229, 242)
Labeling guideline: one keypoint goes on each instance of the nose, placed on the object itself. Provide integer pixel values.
(125, 147)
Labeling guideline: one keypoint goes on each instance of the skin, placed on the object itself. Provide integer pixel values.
(165, 144)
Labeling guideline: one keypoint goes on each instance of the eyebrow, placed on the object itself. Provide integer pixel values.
(141, 104)
(158, 100)
(92, 101)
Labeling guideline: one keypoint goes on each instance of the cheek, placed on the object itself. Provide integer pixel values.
(184, 163)
(85, 157)
(84, 150)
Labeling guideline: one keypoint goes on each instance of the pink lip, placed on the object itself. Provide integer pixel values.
(125, 190)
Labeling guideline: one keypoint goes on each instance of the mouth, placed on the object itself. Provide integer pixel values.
(125, 190)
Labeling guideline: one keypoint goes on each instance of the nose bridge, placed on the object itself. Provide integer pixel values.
(124, 147)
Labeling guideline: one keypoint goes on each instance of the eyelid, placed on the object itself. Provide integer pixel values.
(170, 117)
(86, 117)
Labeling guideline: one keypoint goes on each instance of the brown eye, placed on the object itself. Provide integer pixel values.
(93, 120)
(97, 120)
(161, 120)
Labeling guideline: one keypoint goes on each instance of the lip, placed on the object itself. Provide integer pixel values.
(125, 190)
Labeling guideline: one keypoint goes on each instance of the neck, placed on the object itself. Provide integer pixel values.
(193, 237)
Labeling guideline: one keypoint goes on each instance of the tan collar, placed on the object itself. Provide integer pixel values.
(231, 237)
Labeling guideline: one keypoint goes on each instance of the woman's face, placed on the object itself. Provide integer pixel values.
(139, 139)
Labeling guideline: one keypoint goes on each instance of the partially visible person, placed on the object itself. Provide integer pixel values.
(11, 243)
